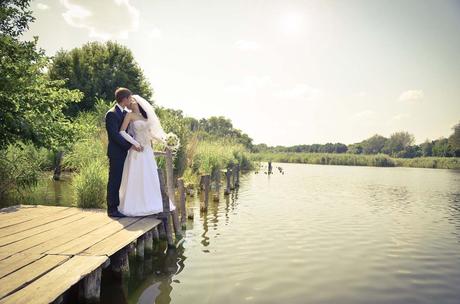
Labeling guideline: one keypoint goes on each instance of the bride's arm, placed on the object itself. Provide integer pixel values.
(125, 135)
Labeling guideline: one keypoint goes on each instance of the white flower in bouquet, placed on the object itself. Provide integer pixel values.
(172, 142)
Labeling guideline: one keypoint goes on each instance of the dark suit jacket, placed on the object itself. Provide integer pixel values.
(118, 147)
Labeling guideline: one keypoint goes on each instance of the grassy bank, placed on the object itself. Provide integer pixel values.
(379, 160)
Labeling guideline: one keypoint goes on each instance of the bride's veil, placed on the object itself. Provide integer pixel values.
(156, 131)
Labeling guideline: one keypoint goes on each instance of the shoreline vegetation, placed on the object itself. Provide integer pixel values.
(378, 160)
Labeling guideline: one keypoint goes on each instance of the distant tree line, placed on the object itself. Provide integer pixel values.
(399, 144)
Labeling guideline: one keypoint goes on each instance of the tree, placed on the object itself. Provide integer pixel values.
(30, 103)
(454, 140)
(427, 148)
(441, 148)
(374, 144)
(398, 142)
(97, 69)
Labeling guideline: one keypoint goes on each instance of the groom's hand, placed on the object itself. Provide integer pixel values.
(138, 149)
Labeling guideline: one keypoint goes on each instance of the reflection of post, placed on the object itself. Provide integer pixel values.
(270, 167)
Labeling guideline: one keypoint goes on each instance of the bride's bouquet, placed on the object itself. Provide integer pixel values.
(172, 142)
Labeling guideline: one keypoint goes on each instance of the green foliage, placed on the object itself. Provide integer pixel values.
(90, 185)
(219, 128)
(97, 69)
(30, 103)
(454, 140)
(173, 121)
(20, 167)
(218, 155)
(398, 142)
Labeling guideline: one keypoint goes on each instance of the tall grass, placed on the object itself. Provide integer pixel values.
(90, 184)
(378, 160)
(207, 157)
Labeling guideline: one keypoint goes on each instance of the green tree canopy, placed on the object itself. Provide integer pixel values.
(454, 140)
(97, 69)
(30, 103)
(398, 142)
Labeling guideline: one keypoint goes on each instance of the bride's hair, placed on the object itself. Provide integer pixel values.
(143, 113)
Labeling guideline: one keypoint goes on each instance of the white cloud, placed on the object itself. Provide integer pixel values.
(362, 94)
(246, 45)
(365, 114)
(42, 6)
(411, 95)
(105, 19)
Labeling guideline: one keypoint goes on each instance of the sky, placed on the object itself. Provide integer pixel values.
(285, 72)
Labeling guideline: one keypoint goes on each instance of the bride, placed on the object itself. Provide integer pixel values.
(140, 186)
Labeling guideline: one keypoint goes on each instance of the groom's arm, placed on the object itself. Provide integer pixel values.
(112, 130)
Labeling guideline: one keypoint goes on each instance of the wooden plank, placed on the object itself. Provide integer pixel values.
(26, 214)
(46, 228)
(123, 237)
(29, 273)
(78, 245)
(16, 262)
(27, 210)
(38, 221)
(45, 241)
(54, 283)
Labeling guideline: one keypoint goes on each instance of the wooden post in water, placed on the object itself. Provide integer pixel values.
(140, 247)
(148, 242)
(206, 184)
(89, 290)
(156, 234)
(216, 178)
(166, 212)
(183, 211)
(119, 263)
(228, 175)
(170, 185)
(236, 175)
(232, 177)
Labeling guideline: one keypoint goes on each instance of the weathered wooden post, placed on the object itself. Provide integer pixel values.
(232, 178)
(170, 185)
(206, 184)
(89, 290)
(228, 174)
(119, 263)
(132, 250)
(148, 242)
(236, 175)
(183, 211)
(140, 248)
(156, 234)
(166, 212)
(57, 165)
(216, 178)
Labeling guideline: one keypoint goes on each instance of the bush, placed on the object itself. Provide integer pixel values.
(90, 185)
(20, 166)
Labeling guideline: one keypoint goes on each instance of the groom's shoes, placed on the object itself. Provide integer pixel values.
(115, 213)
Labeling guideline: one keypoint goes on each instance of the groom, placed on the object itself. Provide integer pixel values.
(117, 149)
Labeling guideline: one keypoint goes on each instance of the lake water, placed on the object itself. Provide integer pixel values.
(317, 234)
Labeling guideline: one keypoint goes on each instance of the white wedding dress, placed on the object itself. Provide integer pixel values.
(140, 192)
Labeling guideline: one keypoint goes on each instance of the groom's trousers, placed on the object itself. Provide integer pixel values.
(113, 185)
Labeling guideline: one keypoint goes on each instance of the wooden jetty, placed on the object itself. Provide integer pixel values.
(46, 250)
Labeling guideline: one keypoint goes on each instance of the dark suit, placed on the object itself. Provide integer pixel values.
(116, 151)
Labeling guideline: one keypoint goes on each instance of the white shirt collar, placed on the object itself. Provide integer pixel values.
(120, 107)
